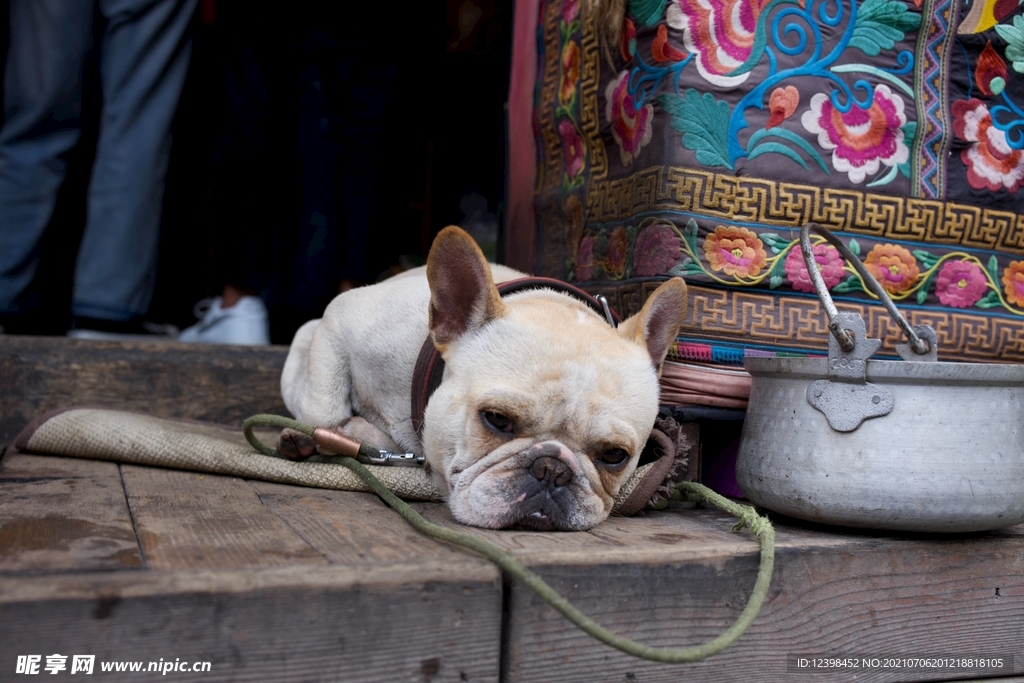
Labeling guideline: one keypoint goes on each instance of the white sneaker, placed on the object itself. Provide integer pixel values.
(244, 323)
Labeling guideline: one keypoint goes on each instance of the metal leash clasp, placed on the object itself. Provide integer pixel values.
(394, 459)
(331, 442)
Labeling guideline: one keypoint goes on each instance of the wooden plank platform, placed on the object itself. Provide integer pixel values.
(274, 582)
(265, 582)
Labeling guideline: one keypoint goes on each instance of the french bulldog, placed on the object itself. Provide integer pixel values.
(543, 409)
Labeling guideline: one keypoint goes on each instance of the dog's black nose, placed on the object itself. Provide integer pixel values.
(551, 472)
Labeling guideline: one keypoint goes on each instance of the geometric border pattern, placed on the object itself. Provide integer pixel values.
(738, 200)
(750, 318)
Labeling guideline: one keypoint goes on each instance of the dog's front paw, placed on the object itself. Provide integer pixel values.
(295, 445)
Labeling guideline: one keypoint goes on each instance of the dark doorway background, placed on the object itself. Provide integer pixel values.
(439, 158)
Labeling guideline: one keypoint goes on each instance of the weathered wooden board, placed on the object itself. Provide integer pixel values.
(680, 577)
(64, 514)
(397, 623)
(223, 385)
(348, 566)
(187, 520)
(338, 524)
(265, 582)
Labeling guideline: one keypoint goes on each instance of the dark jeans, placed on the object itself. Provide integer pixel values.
(143, 60)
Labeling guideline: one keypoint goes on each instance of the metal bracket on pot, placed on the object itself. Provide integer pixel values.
(927, 333)
(846, 397)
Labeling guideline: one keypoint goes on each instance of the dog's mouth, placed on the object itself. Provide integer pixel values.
(540, 512)
(538, 520)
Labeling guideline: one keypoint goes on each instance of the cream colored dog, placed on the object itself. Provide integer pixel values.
(543, 409)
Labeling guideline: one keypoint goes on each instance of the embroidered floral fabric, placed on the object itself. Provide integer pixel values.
(725, 125)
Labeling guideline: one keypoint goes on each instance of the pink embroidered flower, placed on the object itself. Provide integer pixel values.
(570, 72)
(572, 148)
(991, 163)
(893, 266)
(721, 33)
(570, 9)
(586, 259)
(630, 128)
(618, 253)
(960, 284)
(573, 212)
(736, 251)
(1013, 283)
(861, 140)
(830, 265)
(656, 250)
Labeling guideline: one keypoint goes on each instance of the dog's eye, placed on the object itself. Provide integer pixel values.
(613, 457)
(497, 422)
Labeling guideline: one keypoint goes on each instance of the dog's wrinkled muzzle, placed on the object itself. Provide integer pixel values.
(545, 492)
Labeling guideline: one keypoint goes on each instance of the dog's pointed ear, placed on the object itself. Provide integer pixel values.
(656, 326)
(462, 292)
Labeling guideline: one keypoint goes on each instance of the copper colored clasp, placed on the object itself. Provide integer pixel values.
(332, 442)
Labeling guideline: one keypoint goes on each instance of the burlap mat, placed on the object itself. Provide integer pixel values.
(140, 439)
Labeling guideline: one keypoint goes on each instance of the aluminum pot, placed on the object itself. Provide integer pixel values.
(911, 445)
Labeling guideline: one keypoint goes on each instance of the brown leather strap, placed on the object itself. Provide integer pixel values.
(425, 379)
(430, 367)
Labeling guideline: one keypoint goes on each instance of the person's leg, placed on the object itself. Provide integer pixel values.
(43, 103)
(312, 280)
(144, 59)
(343, 108)
(358, 106)
(247, 193)
(254, 170)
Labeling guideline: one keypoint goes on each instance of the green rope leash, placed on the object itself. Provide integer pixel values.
(689, 491)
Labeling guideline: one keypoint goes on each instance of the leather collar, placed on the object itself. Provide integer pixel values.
(430, 367)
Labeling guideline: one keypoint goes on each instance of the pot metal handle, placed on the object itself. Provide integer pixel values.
(921, 347)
